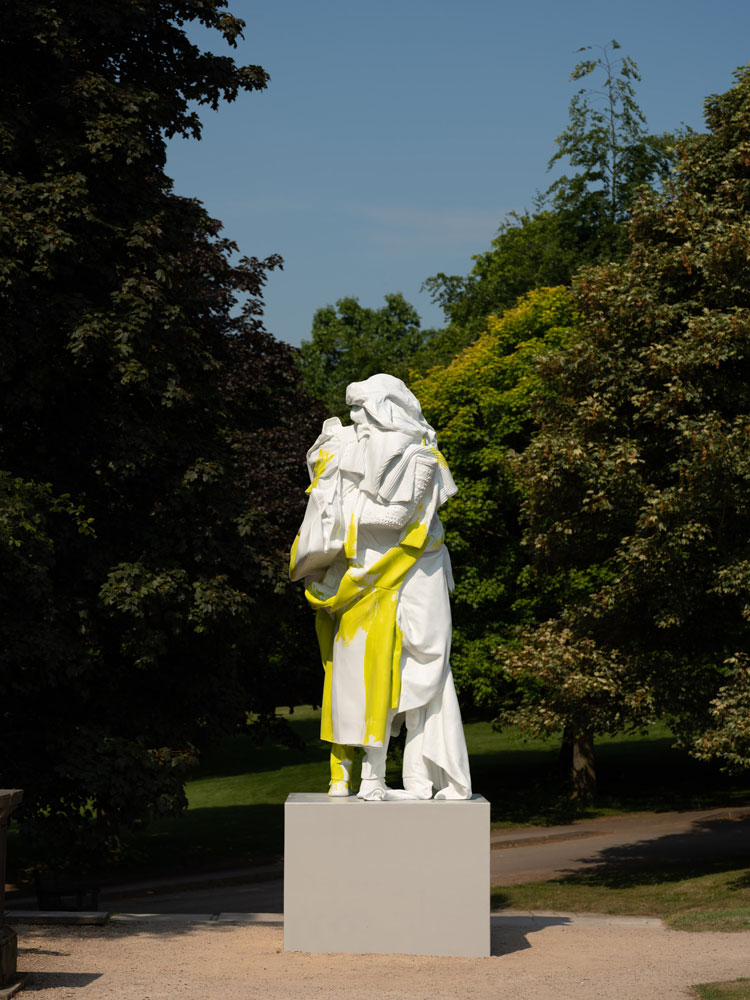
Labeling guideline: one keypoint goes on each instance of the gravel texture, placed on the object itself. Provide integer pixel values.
(539, 957)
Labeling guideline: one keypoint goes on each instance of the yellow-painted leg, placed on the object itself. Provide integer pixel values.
(341, 769)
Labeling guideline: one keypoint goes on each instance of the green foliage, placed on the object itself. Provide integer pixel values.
(727, 737)
(607, 141)
(480, 406)
(640, 474)
(581, 219)
(573, 685)
(152, 435)
(529, 251)
(350, 342)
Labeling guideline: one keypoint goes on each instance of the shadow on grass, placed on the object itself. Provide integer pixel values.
(240, 754)
(634, 775)
(743, 882)
(209, 838)
(236, 799)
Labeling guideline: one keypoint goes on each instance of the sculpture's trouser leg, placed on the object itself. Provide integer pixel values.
(373, 786)
(341, 769)
(416, 775)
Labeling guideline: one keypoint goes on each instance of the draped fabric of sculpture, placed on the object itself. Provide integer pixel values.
(371, 553)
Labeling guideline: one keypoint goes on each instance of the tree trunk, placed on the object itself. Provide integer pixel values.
(583, 771)
(576, 763)
(565, 760)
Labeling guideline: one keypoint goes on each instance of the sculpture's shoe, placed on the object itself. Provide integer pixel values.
(341, 771)
(391, 794)
(376, 790)
(419, 786)
(453, 792)
(339, 789)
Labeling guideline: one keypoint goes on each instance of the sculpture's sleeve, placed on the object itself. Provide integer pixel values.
(321, 536)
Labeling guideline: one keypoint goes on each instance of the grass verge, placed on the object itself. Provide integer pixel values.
(737, 989)
(235, 813)
(685, 898)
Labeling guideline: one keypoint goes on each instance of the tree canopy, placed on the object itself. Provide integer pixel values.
(481, 407)
(151, 433)
(638, 481)
(349, 342)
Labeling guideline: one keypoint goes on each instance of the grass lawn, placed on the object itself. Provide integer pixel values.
(685, 897)
(235, 813)
(738, 989)
(235, 809)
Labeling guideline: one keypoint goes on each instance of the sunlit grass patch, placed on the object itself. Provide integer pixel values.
(686, 898)
(737, 989)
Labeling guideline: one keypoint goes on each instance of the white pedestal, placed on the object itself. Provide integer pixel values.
(386, 877)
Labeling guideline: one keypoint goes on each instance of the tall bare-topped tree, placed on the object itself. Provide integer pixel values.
(581, 219)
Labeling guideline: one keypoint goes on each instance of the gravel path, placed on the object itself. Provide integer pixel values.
(534, 957)
(541, 957)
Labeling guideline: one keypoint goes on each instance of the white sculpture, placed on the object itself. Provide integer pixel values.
(371, 553)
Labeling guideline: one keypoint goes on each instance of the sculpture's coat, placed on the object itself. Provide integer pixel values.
(376, 570)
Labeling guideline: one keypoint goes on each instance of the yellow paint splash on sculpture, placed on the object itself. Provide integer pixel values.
(415, 534)
(350, 542)
(342, 758)
(440, 459)
(321, 462)
(293, 555)
(368, 602)
(325, 628)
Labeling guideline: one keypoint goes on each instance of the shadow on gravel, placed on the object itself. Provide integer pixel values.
(509, 934)
(42, 951)
(711, 846)
(40, 981)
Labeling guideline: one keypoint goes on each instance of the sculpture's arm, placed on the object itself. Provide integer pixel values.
(321, 535)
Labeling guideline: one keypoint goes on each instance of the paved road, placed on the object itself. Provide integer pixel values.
(528, 854)
(638, 840)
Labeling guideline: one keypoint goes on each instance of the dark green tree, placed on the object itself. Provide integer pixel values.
(151, 434)
(638, 482)
(350, 342)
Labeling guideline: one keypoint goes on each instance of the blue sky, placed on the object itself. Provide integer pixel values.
(395, 136)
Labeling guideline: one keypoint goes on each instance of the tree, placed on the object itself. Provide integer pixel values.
(607, 140)
(580, 219)
(481, 407)
(350, 342)
(638, 481)
(530, 251)
(140, 534)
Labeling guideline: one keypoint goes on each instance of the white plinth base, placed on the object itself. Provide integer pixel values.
(386, 877)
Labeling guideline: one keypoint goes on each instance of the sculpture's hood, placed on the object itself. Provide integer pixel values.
(389, 405)
(388, 419)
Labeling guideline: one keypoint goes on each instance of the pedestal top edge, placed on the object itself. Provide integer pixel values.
(9, 799)
(322, 798)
